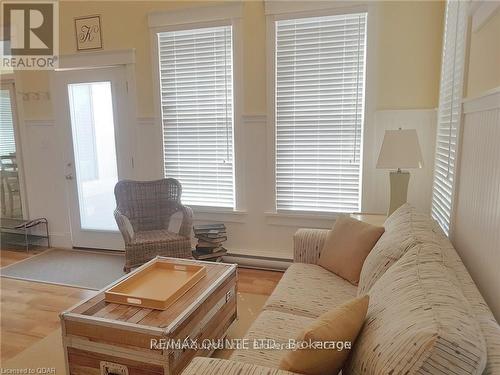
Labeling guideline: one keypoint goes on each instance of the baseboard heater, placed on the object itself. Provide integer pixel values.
(258, 262)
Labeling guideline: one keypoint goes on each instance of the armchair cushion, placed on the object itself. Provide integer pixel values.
(148, 244)
(154, 236)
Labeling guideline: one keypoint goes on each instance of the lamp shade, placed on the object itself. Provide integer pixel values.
(400, 149)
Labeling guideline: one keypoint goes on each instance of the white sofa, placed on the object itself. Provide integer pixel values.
(426, 316)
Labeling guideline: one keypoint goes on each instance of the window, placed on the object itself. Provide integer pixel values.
(10, 162)
(196, 83)
(320, 84)
(7, 140)
(449, 113)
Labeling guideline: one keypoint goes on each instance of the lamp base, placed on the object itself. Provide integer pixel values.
(399, 190)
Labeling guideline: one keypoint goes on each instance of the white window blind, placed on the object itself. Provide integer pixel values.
(320, 84)
(197, 109)
(82, 101)
(449, 113)
(7, 140)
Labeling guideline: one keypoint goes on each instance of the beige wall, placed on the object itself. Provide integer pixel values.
(408, 45)
(484, 60)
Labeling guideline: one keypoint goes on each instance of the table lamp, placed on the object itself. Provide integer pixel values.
(400, 149)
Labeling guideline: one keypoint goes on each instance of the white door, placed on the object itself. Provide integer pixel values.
(93, 116)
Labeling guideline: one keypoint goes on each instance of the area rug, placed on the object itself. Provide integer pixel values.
(48, 352)
(77, 268)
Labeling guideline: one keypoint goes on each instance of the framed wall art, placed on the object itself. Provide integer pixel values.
(88, 33)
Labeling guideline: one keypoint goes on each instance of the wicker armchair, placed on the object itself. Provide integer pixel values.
(143, 212)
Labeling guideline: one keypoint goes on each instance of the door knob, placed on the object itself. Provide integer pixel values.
(69, 176)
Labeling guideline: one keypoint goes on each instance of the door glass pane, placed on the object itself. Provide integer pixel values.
(10, 192)
(93, 130)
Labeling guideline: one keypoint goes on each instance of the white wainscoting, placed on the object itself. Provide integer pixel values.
(376, 181)
(44, 176)
(476, 225)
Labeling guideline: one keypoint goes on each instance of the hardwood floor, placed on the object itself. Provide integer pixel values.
(257, 281)
(8, 257)
(29, 311)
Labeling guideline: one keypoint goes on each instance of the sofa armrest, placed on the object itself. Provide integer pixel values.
(307, 245)
(215, 366)
(125, 227)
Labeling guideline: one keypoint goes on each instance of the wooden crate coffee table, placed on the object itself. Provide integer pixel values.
(109, 338)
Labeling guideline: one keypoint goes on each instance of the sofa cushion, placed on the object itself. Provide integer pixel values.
(215, 366)
(270, 325)
(403, 229)
(419, 322)
(489, 326)
(341, 324)
(347, 246)
(309, 290)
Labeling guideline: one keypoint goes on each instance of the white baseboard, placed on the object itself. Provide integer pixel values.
(61, 240)
(265, 263)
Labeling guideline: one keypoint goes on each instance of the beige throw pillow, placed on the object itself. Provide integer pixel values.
(347, 246)
(342, 324)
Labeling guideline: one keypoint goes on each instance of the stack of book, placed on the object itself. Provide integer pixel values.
(210, 239)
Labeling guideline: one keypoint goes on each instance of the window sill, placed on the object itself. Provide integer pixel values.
(300, 219)
(218, 214)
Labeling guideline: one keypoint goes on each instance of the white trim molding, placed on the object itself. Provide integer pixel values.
(196, 15)
(97, 59)
(485, 102)
(276, 7)
(248, 259)
(481, 11)
(217, 217)
(215, 214)
(302, 220)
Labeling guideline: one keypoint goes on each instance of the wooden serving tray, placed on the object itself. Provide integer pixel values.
(157, 286)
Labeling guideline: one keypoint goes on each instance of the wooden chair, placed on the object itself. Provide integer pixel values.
(143, 213)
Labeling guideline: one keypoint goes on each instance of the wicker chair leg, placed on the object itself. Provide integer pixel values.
(126, 269)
